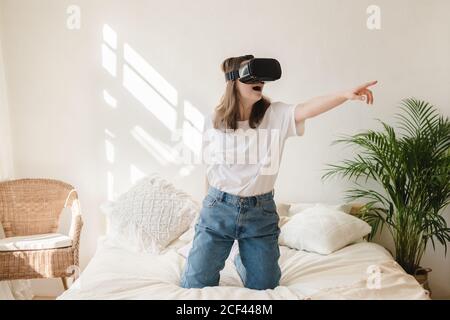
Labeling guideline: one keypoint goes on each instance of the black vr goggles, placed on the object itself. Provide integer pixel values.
(256, 70)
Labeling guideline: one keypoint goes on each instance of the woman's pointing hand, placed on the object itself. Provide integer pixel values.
(361, 92)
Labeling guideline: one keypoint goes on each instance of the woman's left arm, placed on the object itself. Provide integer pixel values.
(318, 105)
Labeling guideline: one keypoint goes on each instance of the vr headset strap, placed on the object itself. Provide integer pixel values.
(232, 75)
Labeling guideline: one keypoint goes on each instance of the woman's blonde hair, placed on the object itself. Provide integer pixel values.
(227, 112)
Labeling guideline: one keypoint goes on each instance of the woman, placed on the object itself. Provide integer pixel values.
(247, 134)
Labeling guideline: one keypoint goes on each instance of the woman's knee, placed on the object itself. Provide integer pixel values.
(267, 279)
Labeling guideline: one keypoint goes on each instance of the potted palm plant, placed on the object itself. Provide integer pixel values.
(411, 167)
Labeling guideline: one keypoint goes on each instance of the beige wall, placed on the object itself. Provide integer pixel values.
(63, 127)
(6, 161)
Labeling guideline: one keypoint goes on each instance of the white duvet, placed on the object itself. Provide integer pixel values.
(115, 273)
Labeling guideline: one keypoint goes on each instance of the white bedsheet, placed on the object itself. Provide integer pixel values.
(115, 273)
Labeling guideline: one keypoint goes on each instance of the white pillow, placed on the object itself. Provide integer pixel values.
(283, 209)
(149, 216)
(322, 230)
(299, 207)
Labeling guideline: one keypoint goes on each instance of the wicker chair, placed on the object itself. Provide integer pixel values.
(30, 207)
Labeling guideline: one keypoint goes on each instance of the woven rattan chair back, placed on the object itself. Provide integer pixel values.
(33, 206)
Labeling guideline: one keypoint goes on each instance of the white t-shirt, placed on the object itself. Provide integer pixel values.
(245, 162)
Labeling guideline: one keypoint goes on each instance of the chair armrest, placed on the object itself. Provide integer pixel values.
(76, 223)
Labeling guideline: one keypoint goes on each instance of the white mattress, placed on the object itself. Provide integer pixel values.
(115, 273)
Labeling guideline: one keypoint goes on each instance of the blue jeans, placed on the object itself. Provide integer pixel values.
(224, 217)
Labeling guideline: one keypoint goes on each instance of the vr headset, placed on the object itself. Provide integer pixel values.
(256, 70)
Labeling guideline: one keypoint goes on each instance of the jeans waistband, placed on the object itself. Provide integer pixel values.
(235, 199)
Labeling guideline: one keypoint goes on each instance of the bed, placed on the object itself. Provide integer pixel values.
(116, 273)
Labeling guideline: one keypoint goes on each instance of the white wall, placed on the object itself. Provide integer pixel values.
(62, 126)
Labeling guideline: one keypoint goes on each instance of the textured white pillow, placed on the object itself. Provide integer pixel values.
(149, 216)
(322, 230)
(299, 207)
(188, 235)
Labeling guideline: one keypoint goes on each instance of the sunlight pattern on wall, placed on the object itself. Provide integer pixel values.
(183, 121)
